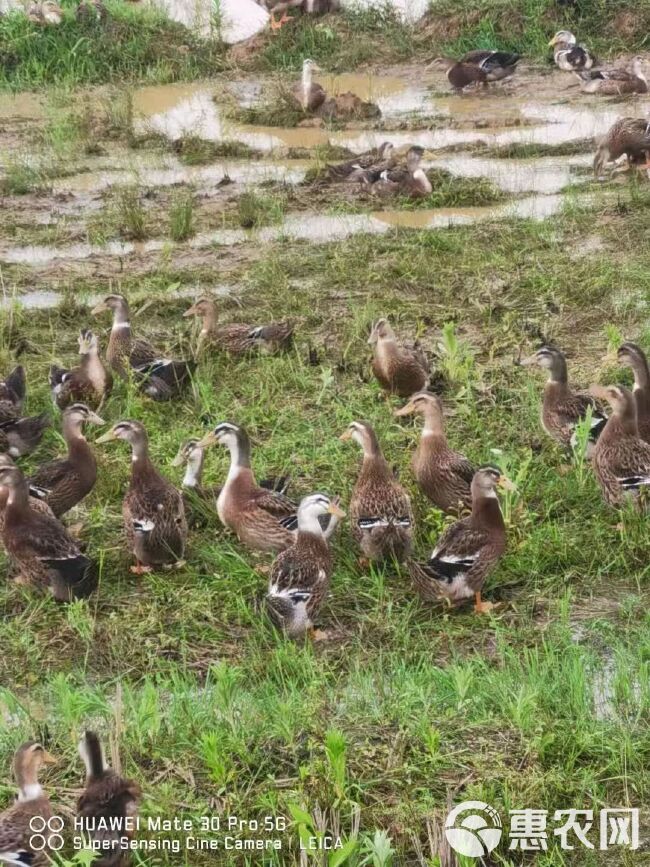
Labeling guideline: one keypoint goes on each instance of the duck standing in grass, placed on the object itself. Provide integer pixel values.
(153, 509)
(381, 515)
(615, 82)
(45, 553)
(398, 370)
(562, 407)
(64, 482)
(35, 502)
(444, 475)
(238, 338)
(300, 575)
(621, 459)
(262, 520)
(630, 137)
(89, 383)
(109, 797)
(19, 821)
(568, 55)
(161, 378)
(631, 355)
(468, 551)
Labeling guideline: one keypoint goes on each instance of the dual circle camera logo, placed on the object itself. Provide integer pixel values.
(46, 833)
(473, 829)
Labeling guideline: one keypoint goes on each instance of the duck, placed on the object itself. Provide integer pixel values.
(346, 106)
(238, 338)
(45, 12)
(44, 552)
(90, 12)
(89, 383)
(152, 508)
(411, 181)
(398, 370)
(621, 459)
(107, 797)
(497, 65)
(381, 515)
(35, 502)
(631, 355)
(13, 391)
(64, 482)
(308, 95)
(160, 378)
(615, 82)
(562, 407)
(364, 168)
(19, 435)
(31, 809)
(300, 575)
(629, 136)
(568, 55)
(444, 475)
(262, 520)
(469, 550)
(310, 7)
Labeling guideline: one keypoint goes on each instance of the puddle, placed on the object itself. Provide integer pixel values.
(317, 228)
(43, 299)
(539, 175)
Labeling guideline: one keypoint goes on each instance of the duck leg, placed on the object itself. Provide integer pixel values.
(140, 568)
(278, 24)
(481, 607)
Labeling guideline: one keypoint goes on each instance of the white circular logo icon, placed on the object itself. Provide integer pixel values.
(41, 840)
(475, 834)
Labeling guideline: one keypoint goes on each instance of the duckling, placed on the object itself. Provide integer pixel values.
(153, 509)
(89, 383)
(631, 355)
(300, 575)
(411, 181)
(364, 168)
(399, 370)
(262, 520)
(31, 809)
(309, 95)
(444, 475)
(563, 408)
(615, 82)
(64, 482)
(380, 509)
(238, 338)
(569, 56)
(109, 798)
(629, 136)
(468, 551)
(161, 378)
(41, 547)
(621, 459)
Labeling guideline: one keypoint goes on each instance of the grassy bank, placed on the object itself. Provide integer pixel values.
(131, 44)
(543, 704)
(136, 44)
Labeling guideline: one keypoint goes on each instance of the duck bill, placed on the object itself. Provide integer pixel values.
(529, 361)
(99, 308)
(108, 437)
(551, 42)
(191, 311)
(599, 392)
(208, 440)
(346, 436)
(93, 418)
(407, 409)
(505, 484)
(49, 759)
(336, 510)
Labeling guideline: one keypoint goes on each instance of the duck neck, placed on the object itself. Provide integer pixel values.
(309, 524)
(29, 789)
(307, 77)
(194, 469)
(622, 423)
(558, 374)
(209, 319)
(433, 426)
(73, 434)
(486, 510)
(17, 506)
(240, 456)
(140, 461)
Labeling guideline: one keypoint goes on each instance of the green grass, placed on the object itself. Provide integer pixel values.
(181, 217)
(406, 703)
(133, 44)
